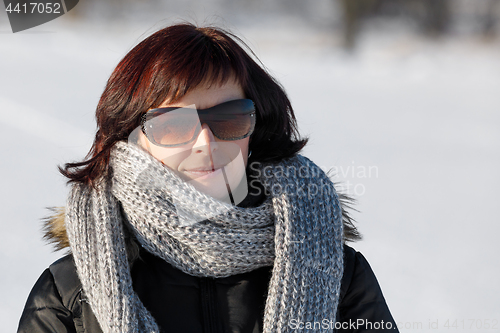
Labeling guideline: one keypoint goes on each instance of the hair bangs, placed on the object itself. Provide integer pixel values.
(200, 57)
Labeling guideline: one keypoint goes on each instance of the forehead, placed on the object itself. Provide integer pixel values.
(206, 95)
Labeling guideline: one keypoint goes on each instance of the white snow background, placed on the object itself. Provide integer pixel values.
(411, 124)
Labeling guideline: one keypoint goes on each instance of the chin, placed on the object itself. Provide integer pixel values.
(217, 187)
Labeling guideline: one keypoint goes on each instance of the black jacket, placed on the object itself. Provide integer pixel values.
(183, 303)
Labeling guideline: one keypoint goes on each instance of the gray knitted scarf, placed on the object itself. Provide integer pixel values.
(297, 229)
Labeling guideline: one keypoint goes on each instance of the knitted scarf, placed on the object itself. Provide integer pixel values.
(297, 229)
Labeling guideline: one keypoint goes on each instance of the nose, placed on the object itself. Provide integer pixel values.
(205, 142)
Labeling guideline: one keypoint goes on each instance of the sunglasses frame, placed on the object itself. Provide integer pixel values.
(201, 113)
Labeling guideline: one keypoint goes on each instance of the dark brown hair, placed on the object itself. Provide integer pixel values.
(165, 66)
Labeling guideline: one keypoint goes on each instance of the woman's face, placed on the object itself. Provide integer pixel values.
(208, 163)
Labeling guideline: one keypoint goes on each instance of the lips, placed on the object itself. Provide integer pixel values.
(204, 169)
(203, 172)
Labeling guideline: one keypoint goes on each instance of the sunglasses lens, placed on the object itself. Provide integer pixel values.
(233, 120)
(231, 127)
(172, 128)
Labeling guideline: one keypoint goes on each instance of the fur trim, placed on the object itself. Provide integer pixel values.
(351, 233)
(54, 229)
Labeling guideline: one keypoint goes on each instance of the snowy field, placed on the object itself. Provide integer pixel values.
(412, 127)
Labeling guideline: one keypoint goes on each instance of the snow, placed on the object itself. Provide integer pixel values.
(421, 115)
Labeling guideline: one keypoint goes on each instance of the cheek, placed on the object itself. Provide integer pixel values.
(243, 145)
(171, 157)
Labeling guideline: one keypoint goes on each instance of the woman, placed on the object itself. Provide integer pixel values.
(194, 211)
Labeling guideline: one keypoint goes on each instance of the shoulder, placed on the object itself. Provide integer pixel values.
(53, 300)
(66, 279)
(59, 282)
(361, 296)
(358, 275)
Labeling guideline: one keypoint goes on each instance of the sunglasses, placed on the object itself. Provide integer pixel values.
(177, 126)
